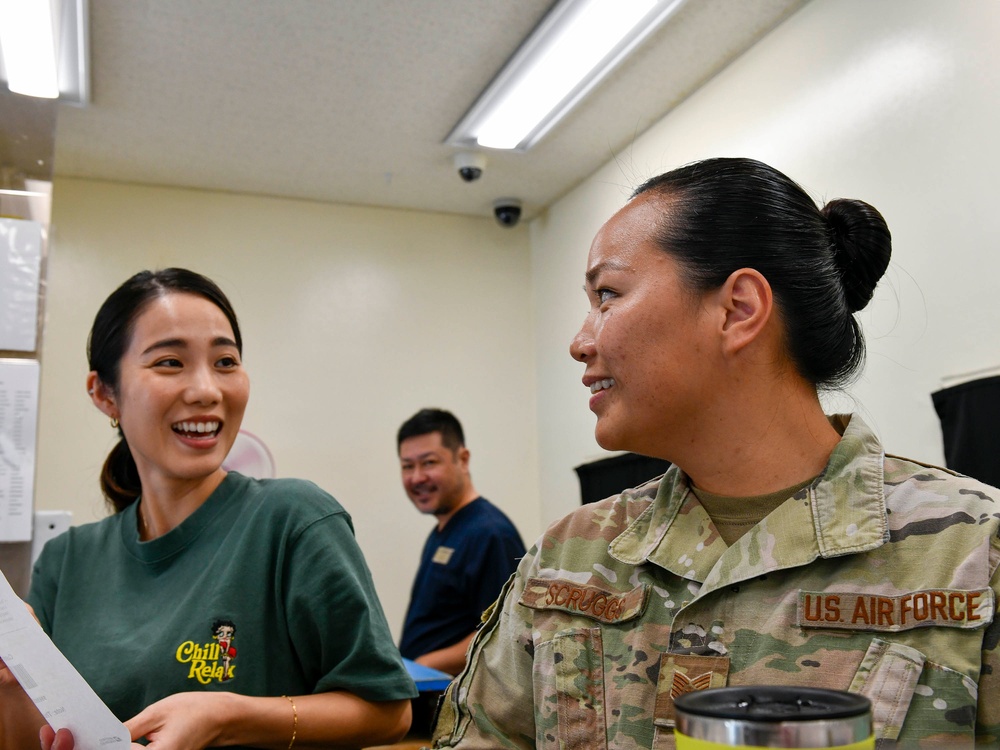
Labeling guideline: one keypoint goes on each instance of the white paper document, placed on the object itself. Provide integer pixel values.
(20, 273)
(56, 688)
(18, 429)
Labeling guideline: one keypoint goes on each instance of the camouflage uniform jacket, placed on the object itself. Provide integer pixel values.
(880, 577)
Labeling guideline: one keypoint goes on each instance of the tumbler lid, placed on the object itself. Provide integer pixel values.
(772, 703)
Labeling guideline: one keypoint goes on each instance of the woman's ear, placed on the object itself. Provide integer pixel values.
(102, 396)
(749, 303)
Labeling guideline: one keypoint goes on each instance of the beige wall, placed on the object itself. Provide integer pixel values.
(352, 318)
(894, 102)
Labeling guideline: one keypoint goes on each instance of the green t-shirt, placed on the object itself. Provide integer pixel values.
(261, 591)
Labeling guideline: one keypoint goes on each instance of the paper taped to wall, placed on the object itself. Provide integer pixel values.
(19, 379)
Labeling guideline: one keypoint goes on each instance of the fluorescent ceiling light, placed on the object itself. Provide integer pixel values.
(45, 48)
(29, 47)
(575, 46)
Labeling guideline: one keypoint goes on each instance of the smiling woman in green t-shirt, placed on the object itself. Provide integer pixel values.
(210, 609)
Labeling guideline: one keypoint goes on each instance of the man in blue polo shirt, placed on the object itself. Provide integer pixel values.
(469, 555)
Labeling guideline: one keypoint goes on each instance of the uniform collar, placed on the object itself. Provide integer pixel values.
(841, 513)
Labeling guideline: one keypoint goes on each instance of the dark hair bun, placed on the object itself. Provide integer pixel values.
(861, 248)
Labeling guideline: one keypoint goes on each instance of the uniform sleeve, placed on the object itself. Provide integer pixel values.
(491, 703)
(334, 617)
(988, 712)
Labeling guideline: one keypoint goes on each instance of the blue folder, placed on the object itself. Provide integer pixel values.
(428, 679)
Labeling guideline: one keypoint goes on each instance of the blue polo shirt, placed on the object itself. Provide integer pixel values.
(462, 569)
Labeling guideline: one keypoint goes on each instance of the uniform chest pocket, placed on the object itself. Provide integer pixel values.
(913, 698)
(569, 690)
(888, 676)
(594, 677)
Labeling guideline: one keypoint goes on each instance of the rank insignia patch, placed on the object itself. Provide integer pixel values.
(685, 673)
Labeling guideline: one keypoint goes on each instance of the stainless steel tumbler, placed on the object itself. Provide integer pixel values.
(773, 716)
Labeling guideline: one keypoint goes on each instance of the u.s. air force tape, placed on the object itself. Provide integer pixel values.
(950, 608)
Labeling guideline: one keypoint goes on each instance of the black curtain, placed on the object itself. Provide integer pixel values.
(970, 424)
(609, 476)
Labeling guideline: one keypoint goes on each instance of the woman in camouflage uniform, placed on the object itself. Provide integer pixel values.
(784, 546)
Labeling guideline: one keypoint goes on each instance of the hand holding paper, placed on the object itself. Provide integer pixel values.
(54, 686)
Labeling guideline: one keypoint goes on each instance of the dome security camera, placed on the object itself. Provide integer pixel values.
(470, 165)
(507, 211)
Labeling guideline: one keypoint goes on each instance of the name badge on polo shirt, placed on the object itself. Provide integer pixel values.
(442, 555)
(949, 608)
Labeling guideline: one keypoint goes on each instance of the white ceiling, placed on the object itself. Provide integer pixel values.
(349, 100)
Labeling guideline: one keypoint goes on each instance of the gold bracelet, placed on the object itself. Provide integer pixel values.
(295, 721)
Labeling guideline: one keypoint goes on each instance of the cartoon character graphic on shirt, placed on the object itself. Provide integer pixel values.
(211, 661)
(224, 631)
